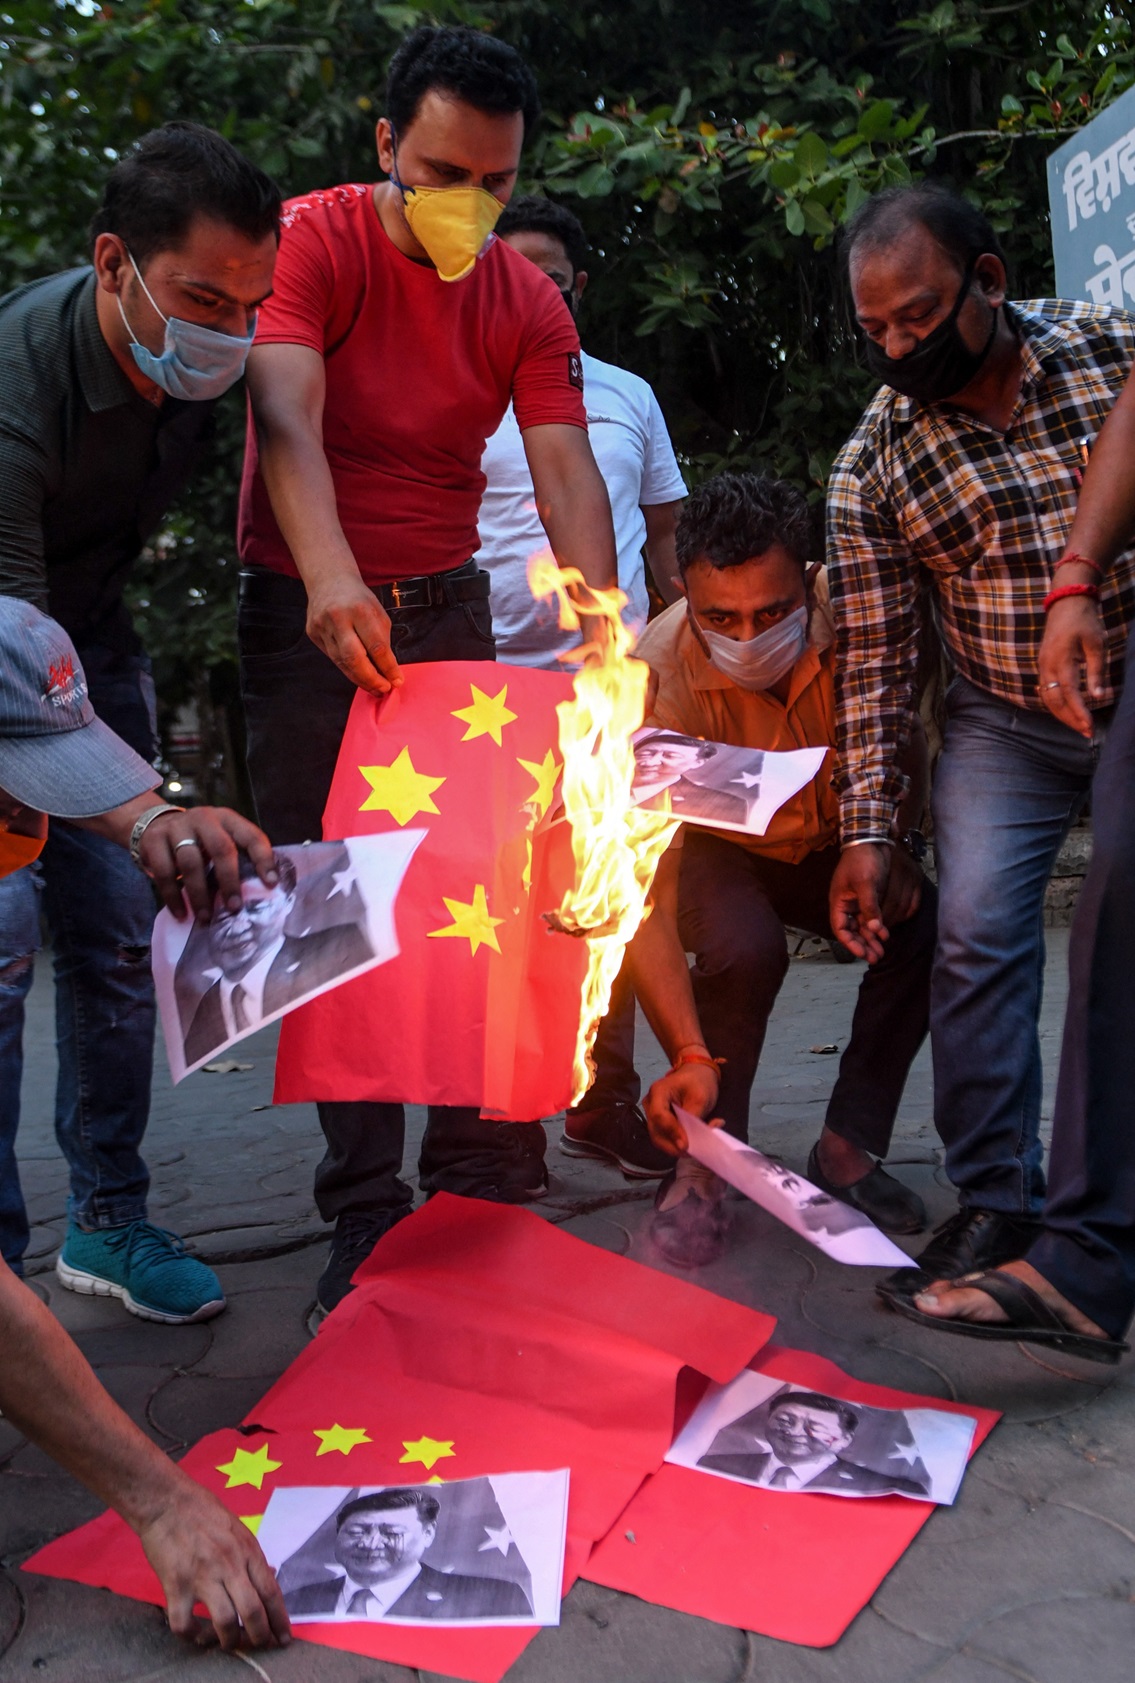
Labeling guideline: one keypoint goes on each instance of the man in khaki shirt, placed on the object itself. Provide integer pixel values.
(747, 659)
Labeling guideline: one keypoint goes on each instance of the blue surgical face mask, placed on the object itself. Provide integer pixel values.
(763, 660)
(197, 363)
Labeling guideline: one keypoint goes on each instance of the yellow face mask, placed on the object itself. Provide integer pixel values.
(21, 841)
(452, 224)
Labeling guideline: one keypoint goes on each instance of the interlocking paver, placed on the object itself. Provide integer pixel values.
(1028, 1576)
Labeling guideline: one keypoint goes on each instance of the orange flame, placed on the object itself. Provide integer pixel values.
(616, 846)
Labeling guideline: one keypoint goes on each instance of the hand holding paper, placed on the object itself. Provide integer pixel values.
(841, 1232)
(327, 915)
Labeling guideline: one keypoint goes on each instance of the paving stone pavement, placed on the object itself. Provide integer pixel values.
(1029, 1576)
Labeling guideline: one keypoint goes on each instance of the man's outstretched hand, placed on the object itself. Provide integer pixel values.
(694, 1087)
(1072, 660)
(351, 626)
(857, 898)
(202, 1553)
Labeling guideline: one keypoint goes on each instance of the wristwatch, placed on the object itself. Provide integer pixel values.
(915, 843)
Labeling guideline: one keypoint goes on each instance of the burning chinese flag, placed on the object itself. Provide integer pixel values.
(483, 1005)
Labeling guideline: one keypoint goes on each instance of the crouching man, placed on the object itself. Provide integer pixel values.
(747, 659)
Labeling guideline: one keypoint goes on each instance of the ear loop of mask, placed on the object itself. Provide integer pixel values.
(141, 282)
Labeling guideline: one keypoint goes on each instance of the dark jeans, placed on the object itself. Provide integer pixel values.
(1007, 788)
(296, 703)
(100, 911)
(732, 909)
(616, 1079)
(1087, 1248)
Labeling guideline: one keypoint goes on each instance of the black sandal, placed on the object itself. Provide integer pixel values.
(1030, 1321)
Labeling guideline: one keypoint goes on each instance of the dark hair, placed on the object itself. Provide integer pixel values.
(179, 172)
(706, 750)
(384, 1500)
(848, 1418)
(467, 63)
(962, 230)
(247, 871)
(529, 214)
(730, 519)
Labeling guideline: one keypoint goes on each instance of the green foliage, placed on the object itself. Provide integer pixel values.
(711, 153)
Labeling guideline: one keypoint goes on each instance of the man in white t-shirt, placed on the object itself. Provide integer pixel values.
(631, 446)
(633, 451)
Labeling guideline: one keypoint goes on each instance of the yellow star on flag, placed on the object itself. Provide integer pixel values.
(249, 1467)
(427, 1451)
(545, 772)
(342, 1438)
(252, 1521)
(471, 921)
(486, 715)
(399, 789)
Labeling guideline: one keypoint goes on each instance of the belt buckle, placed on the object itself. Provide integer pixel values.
(395, 589)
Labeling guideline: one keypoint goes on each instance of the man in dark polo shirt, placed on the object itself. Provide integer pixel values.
(108, 379)
(398, 331)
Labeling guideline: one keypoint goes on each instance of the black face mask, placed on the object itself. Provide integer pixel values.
(569, 298)
(939, 365)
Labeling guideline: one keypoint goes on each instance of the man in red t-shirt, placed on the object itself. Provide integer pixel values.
(398, 333)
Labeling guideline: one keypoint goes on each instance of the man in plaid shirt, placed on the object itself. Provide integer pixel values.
(963, 475)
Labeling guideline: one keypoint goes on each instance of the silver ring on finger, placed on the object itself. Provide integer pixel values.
(190, 841)
(1055, 686)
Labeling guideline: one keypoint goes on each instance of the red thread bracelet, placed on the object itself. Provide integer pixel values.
(694, 1058)
(1075, 559)
(1057, 595)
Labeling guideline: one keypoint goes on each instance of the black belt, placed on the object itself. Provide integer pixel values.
(467, 583)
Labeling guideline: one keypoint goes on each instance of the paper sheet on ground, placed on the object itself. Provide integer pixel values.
(843, 1233)
(717, 785)
(330, 918)
(493, 1555)
(763, 1560)
(750, 1431)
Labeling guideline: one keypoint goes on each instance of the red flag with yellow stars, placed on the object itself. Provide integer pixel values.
(479, 1339)
(482, 1006)
(811, 1562)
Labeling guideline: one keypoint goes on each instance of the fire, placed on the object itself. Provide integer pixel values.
(616, 846)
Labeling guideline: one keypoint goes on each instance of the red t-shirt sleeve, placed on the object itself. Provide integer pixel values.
(547, 387)
(308, 289)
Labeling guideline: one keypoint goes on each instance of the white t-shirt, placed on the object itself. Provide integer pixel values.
(634, 455)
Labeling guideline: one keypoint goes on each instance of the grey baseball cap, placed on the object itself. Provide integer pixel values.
(55, 755)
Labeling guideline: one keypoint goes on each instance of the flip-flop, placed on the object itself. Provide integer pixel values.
(1031, 1321)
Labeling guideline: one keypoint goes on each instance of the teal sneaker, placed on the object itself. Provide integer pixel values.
(146, 1267)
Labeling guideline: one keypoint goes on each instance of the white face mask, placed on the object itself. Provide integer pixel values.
(197, 363)
(764, 659)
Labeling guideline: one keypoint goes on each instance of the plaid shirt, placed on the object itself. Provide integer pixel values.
(930, 495)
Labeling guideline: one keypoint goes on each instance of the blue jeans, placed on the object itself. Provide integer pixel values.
(1007, 789)
(100, 912)
(1087, 1247)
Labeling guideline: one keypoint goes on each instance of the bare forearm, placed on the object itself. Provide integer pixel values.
(660, 977)
(1105, 515)
(117, 824)
(51, 1395)
(302, 492)
(577, 519)
(661, 548)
